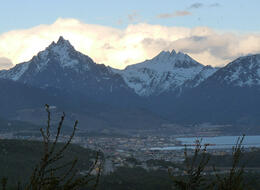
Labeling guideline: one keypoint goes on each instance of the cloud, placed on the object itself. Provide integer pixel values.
(136, 43)
(119, 22)
(175, 14)
(200, 5)
(196, 5)
(182, 13)
(215, 5)
(5, 63)
(133, 17)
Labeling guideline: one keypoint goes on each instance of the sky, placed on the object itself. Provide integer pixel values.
(119, 33)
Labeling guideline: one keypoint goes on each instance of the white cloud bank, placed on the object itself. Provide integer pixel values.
(5, 63)
(119, 48)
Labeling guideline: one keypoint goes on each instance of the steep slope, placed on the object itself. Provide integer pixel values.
(166, 72)
(230, 95)
(61, 67)
(15, 96)
(171, 87)
(26, 103)
(204, 74)
(85, 90)
(242, 72)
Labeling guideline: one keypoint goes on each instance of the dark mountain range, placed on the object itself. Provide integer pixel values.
(170, 88)
(63, 68)
(15, 96)
(230, 95)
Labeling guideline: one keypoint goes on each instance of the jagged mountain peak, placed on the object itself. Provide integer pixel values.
(165, 56)
(60, 44)
(60, 66)
(166, 61)
(64, 54)
(61, 40)
(62, 48)
(58, 55)
(166, 72)
(170, 54)
(166, 53)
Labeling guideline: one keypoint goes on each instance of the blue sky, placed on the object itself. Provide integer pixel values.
(235, 15)
(120, 33)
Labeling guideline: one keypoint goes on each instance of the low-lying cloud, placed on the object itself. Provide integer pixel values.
(121, 47)
(5, 63)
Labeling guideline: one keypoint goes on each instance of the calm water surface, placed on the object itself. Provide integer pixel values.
(220, 142)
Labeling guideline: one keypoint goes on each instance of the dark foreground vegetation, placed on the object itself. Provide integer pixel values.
(47, 165)
(141, 179)
(54, 165)
(19, 157)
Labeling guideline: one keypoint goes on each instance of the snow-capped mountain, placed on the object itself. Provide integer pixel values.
(230, 95)
(148, 93)
(242, 72)
(60, 54)
(205, 72)
(61, 67)
(166, 72)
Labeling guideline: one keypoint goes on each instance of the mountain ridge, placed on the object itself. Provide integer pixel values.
(171, 87)
(165, 72)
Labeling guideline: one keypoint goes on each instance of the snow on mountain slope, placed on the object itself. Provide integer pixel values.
(166, 72)
(61, 67)
(243, 72)
(61, 52)
(15, 73)
(206, 72)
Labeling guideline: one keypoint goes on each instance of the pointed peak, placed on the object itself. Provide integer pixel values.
(174, 59)
(167, 53)
(173, 52)
(61, 44)
(62, 41)
(62, 48)
(61, 38)
(164, 53)
(171, 55)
